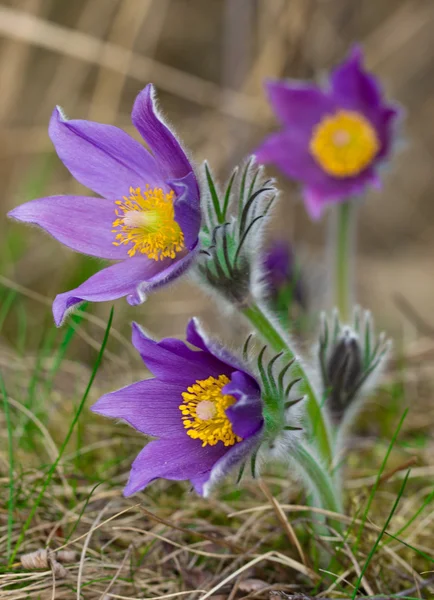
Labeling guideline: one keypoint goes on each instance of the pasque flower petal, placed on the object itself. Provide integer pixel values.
(390, 117)
(170, 269)
(289, 151)
(246, 414)
(298, 106)
(172, 361)
(177, 459)
(150, 406)
(354, 88)
(314, 202)
(281, 273)
(317, 198)
(235, 457)
(83, 224)
(187, 207)
(278, 264)
(131, 278)
(197, 337)
(166, 149)
(102, 157)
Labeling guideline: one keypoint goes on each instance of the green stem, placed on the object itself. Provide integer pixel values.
(342, 259)
(319, 480)
(318, 426)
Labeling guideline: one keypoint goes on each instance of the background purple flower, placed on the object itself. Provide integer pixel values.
(281, 273)
(148, 217)
(203, 407)
(332, 140)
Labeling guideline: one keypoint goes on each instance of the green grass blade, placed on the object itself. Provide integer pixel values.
(74, 322)
(407, 545)
(377, 481)
(22, 327)
(74, 527)
(65, 442)
(45, 350)
(11, 466)
(427, 501)
(380, 535)
(6, 306)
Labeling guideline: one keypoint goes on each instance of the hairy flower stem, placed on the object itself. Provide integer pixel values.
(341, 242)
(319, 429)
(321, 484)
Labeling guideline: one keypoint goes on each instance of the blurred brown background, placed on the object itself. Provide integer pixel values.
(208, 59)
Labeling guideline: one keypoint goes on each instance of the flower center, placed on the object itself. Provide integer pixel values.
(344, 144)
(203, 412)
(146, 221)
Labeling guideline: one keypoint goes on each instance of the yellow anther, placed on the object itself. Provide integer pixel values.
(344, 144)
(203, 412)
(146, 221)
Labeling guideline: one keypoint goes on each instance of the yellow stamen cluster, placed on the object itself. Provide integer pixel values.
(344, 144)
(203, 412)
(146, 220)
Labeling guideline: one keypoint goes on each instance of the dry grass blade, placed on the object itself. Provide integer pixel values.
(213, 540)
(51, 447)
(254, 561)
(164, 597)
(116, 575)
(284, 522)
(14, 60)
(91, 318)
(389, 474)
(172, 543)
(116, 516)
(358, 570)
(70, 75)
(85, 546)
(210, 60)
(109, 86)
(33, 30)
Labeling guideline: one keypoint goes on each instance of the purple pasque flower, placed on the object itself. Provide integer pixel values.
(203, 406)
(281, 273)
(333, 139)
(148, 218)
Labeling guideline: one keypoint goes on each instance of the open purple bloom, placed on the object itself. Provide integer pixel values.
(148, 218)
(280, 272)
(203, 407)
(332, 139)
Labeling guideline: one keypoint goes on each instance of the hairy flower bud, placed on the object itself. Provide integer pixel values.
(344, 369)
(232, 231)
(349, 359)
